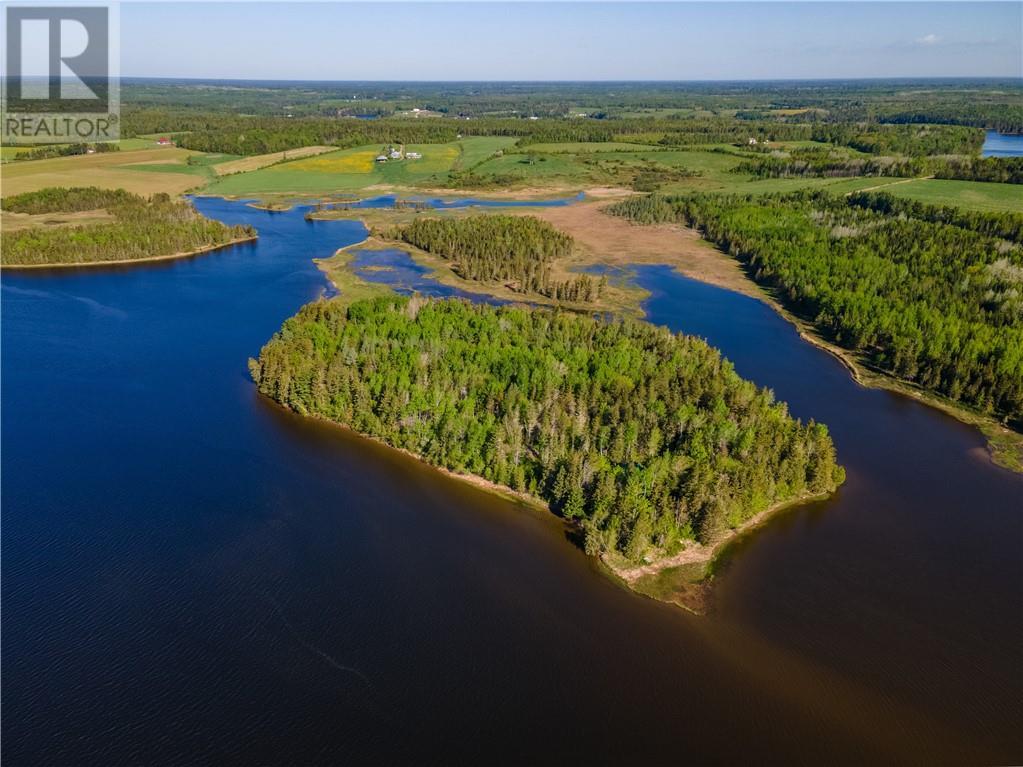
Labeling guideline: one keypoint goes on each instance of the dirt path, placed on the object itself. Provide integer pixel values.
(890, 183)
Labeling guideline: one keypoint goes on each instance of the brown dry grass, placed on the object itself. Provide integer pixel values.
(606, 239)
(12, 222)
(105, 170)
(258, 161)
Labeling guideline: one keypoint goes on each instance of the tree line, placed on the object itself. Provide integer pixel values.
(645, 438)
(823, 164)
(242, 134)
(1006, 225)
(515, 250)
(929, 297)
(64, 150)
(142, 228)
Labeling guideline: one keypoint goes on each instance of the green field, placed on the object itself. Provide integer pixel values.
(973, 195)
(582, 147)
(616, 164)
(574, 165)
(356, 168)
(125, 145)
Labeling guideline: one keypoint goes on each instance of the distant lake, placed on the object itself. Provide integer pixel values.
(1002, 144)
(192, 575)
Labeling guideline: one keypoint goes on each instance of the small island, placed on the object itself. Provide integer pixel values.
(648, 441)
(87, 226)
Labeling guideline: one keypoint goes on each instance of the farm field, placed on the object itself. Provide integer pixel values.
(581, 147)
(8, 153)
(553, 166)
(356, 168)
(129, 170)
(256, 162)
(617, 164)
(972, 195)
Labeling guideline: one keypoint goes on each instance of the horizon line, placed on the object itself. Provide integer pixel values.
(878, 78)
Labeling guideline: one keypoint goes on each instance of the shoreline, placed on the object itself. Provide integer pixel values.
(694, 553)
(124, 261)
(697, 553)
(1003, 445)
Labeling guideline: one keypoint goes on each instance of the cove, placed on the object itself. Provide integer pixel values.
(191, 575)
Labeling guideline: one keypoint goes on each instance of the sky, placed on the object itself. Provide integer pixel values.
(571, 40)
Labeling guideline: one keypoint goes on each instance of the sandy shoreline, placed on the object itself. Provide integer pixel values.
(123, 261)
(697, 553)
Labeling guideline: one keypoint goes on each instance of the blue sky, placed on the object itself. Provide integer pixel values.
(571, 40)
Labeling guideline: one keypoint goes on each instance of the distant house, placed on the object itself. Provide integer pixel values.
(381, 158)
(752, 142)
(413, 156)
(164, 141)
(395, 154)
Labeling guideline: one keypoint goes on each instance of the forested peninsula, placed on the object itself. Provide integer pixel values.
(138, 228)
(647, 440)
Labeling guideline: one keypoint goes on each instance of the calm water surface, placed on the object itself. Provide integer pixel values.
(1002, 144)
(192, 576)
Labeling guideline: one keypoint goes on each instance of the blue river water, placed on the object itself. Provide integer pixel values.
(192, 576)
(1002, 145)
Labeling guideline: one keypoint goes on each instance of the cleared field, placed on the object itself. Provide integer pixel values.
(111, 170)
(476, 150)
(356, 168)
(255, 162)
(125, 145)
(580, 147)
(613, 165)
(554, 167)
(972, 195)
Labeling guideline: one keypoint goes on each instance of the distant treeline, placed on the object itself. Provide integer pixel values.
(142, 228)
(989, 103)
(515, 250)
(802, 164)
(920, 292)
(905, 140)
(991, 111)
(250, 135)
(645, 438)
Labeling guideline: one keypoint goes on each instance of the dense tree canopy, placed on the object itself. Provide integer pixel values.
(515, 250)
(645, 437)
(141, 228)
(929, 297)
(825, 164)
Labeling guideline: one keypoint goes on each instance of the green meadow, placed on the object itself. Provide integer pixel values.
(973, 195)
(357, 168)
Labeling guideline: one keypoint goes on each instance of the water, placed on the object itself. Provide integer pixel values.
(1002, 145)
(192, 576)
(396, 269)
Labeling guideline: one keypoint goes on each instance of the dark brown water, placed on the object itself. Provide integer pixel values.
(192, 576)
